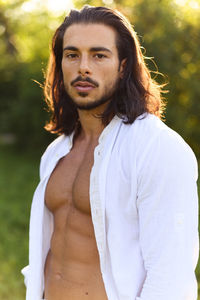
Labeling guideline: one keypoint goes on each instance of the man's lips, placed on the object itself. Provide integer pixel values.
(84, 86)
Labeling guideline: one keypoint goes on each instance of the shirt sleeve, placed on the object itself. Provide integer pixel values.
(168, 219)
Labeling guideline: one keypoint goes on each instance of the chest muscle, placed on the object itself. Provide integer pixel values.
(70, 181)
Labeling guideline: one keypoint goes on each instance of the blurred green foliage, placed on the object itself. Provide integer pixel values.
(18, 179)
(169, 32)
(25, 39)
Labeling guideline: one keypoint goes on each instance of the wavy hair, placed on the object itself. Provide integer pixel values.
(136, 93)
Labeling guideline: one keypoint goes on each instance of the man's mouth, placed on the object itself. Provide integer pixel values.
(84, 86)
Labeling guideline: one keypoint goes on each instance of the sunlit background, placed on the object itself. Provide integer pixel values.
(169, 30)
(188, 3)
(57, 7)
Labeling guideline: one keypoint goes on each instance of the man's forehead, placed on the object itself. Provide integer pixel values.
(90, 35)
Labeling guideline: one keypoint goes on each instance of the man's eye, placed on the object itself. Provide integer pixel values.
(71, 55)
(98, 55)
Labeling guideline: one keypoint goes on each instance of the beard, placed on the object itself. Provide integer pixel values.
(93, 104)
(105, 98)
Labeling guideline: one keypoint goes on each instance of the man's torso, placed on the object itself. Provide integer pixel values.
(72, 269)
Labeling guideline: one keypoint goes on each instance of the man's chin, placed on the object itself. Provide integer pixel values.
(90, 104)
(87, 106)
(83, 94)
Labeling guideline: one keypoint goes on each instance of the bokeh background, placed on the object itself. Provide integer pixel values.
(169, 30)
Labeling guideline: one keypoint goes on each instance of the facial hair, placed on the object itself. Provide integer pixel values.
(108, 94)
(93, 104)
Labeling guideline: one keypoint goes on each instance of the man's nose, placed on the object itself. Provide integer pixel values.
(84, 67)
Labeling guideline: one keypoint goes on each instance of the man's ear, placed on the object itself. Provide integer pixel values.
(122, 66)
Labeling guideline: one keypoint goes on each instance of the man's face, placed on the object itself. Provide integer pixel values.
(90, 64)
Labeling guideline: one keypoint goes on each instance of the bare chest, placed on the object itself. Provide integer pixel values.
(69, 183)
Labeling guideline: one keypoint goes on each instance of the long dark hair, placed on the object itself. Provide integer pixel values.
(136, 93)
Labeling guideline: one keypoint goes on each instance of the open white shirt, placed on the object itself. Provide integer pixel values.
(144, 207)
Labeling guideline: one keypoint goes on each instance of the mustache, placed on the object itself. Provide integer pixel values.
(87, 79)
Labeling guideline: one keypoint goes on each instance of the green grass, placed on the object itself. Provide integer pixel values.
(18, 179)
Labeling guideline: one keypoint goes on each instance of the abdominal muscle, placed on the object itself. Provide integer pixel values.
(72, 268)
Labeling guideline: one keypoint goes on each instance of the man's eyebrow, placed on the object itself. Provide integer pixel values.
(70, 48)
(96, 49)
(93, 49)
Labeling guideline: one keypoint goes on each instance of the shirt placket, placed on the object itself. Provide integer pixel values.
(97, 210)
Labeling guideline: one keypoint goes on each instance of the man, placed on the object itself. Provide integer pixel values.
(115, 215)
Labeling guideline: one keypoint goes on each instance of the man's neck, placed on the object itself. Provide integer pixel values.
(91, 125)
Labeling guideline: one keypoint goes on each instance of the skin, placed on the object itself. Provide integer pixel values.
(72, 269)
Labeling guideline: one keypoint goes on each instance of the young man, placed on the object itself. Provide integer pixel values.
(115, 215)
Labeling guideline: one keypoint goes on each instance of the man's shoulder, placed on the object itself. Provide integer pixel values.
(148, 125)
(148, 132)
(146, 128)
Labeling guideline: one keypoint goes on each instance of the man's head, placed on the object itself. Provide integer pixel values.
(96, 59)
(90, 65)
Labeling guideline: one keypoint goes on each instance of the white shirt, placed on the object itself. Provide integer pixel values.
(144, 207)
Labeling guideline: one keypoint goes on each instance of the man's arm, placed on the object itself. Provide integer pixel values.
(168, 219)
